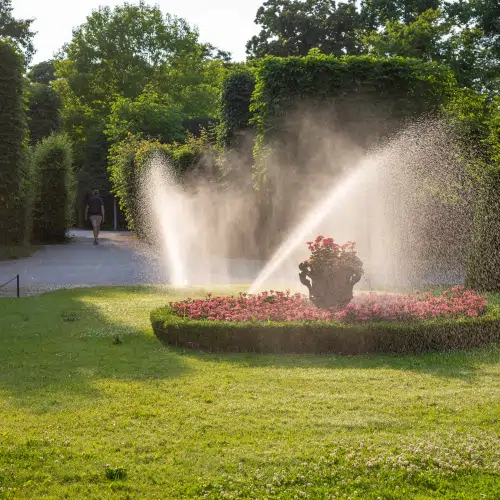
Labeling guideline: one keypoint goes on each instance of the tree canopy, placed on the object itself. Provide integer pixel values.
(293, 28)
(464, 35)
(18, 30)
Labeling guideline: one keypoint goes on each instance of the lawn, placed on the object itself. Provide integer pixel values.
(93, 406)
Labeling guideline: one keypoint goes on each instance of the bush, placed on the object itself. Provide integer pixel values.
(129, 158)
(364, 90)
(14, 157)
(327, 338)
(483, 268)
(54, 189)
(234, 105)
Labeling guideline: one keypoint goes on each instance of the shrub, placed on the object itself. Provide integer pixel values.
(362, 89)
(129, 158)
(14, 157)
(54, 189)
(234, 105)
(324, 337)
(282, 306)
(483, 267)
(281, 322)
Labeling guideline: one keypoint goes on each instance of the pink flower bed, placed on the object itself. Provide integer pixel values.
(285, 307)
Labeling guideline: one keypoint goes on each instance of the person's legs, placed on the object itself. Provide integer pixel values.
(96, 226)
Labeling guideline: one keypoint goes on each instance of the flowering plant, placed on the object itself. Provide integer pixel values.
(331, 272)
(287, 307)
(325, 252)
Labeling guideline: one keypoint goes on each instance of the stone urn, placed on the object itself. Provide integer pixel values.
(331, 280)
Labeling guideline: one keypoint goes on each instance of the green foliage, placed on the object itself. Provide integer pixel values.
(18, 30)
(293, 28)
(132, 69)
(334, 426)
(234, 105)
(43, 112)
(117, 51)
(14, 157)
(129, 159)
(331, 338)
(419, 39)
(54, 189)
(378, 12)
(475, 45)
(361, 89)
(148, 115)
(483, 270)
(43, 72)
(464, 35)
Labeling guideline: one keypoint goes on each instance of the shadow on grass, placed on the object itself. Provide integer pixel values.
(462, 365)
(55, 347)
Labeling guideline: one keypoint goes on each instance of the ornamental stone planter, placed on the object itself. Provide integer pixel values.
(331, 286)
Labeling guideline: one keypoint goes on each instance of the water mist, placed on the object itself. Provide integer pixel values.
(209, 235)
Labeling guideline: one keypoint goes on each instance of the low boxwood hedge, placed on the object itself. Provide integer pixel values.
(333, 338)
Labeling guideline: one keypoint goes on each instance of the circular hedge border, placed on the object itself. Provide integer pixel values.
(321, 337)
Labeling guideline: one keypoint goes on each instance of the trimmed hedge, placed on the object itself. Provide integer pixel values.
(54, 189)
(323, 338)
(234, 105)
(483, 266)
(128, 160)
(363, 90)
(14, 158)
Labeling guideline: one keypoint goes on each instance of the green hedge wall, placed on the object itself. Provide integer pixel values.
(234, 105)
(14, 158)
(55, 186)
(483, 269)
(129, 158)
(311, 337)
(362, 89)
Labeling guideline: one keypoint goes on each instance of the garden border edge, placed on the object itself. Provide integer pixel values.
(325, 338)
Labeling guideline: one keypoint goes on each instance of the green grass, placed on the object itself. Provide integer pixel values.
(93, 406)
(16, 252)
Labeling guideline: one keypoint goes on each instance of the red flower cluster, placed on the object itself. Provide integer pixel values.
(322, 243)
(284, 307)
(454, 303)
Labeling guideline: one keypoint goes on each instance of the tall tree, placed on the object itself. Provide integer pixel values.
(294, 27)
(474, 46)
(117, 52)
(377, 13)
(116, 60)
(421, 38)
(18, 30)
(43, 112)
(43, 72)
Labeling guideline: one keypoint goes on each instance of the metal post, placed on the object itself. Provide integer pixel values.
(115, 213)
(18, 291)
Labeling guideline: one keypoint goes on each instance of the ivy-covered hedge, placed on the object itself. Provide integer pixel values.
(234, 105)
(312, 337)
(128, 159)
(55, 189)
(15, 171)
(363, 91)
(483, 269)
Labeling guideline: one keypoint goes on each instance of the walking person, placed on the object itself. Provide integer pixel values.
(95, 211)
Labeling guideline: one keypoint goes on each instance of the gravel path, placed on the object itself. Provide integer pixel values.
(119, 259)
